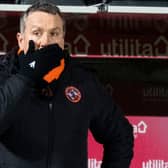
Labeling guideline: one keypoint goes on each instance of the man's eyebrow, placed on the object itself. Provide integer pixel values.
(52, 29)
(56, 28)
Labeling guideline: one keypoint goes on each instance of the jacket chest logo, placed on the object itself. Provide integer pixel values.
(73, 94)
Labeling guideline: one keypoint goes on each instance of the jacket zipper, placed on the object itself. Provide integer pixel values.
(50, 134)
(50, 106)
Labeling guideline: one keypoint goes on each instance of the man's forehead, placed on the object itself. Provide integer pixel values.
(38, 19)
(40, 15)
(40, 27)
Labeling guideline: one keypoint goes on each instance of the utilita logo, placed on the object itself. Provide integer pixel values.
(155, 93)
(140, 128)
(93, 163)
(155, 164)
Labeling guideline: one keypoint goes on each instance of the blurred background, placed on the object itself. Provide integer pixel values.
(125, 42)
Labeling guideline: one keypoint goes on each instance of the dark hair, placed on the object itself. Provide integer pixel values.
(41, 6)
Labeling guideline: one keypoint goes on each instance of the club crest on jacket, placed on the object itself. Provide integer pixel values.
(73, 94)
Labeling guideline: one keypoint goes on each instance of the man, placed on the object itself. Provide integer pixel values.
(48, 103)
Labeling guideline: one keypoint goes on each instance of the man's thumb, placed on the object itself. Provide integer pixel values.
(31, 48)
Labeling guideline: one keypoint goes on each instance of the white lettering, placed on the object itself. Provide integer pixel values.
(93, 163)
(120, 47)
(155, 164)
(131, 47)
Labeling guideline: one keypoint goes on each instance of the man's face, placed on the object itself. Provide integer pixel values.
(43, 29)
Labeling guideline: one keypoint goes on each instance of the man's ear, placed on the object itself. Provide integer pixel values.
(20, 40)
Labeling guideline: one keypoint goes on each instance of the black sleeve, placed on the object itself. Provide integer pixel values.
(111, 128)
(12, 88)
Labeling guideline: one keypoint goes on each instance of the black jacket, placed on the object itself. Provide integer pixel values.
(37, 132)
